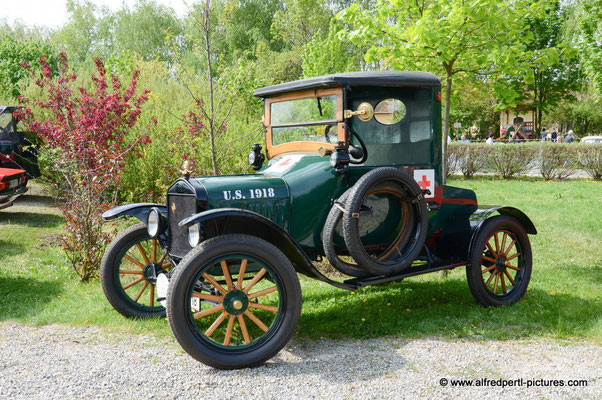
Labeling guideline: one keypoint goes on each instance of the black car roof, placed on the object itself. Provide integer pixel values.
(372, 78)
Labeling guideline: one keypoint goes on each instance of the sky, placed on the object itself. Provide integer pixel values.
(53, 13)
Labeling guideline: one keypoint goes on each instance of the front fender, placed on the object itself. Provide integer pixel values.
(137, 210)
(483, 212)
(223, 221)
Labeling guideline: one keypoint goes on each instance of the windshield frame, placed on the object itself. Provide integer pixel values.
(303, 145)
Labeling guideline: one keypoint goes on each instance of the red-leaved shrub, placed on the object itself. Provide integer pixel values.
(85, 141)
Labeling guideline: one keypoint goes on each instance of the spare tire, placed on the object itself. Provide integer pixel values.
(408, 243)
(332, 220)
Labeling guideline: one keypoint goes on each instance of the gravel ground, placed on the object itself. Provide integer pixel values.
(59, 362)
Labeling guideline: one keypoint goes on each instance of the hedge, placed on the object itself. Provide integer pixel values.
(550, 160)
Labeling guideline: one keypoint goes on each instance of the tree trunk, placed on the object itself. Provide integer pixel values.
(207, 33)
(448, 88)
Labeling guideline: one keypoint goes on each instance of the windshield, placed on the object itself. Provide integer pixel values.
(308, 120)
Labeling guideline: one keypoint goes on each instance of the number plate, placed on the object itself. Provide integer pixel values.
(13, 184)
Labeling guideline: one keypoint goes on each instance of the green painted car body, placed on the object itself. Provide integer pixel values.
(287, 200)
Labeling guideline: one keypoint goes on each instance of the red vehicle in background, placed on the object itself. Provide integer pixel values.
(13, 183)
(11, 140)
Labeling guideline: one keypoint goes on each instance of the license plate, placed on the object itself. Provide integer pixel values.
(13, 184)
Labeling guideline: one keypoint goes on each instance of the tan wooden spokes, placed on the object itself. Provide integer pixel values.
(496, 261)
(134, 262)
(214, 302)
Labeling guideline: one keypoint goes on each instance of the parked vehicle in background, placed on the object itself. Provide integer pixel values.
(16, 149)
(13, 183)
(591, 139)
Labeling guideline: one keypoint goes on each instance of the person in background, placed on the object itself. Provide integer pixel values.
(570, 137)
(554, 136)
(490, 139)
(463, 139)
(543, 134)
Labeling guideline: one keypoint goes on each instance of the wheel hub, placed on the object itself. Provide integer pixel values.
(151, 271)
(500, 264)
(236, 302)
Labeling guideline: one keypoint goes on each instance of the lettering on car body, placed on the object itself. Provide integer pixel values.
(252, 193)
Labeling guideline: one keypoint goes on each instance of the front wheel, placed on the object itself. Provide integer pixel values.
(500, 263)
(129, 271)
(234, 301)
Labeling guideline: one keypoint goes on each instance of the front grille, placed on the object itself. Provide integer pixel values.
(179, 207)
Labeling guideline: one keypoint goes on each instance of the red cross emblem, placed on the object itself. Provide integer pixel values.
(423, 183)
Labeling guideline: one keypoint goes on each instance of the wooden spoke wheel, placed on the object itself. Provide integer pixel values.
(129, 273)
(500, 264)
(234, 301)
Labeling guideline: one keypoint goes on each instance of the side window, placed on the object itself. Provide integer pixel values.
(401, 131)
(389, 111)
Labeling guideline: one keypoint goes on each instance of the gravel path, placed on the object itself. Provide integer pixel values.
(59, 362)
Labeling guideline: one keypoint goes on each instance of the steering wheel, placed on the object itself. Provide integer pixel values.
(327, 134)
(358, 152)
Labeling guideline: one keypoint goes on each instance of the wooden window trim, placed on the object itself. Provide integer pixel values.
(303, 146)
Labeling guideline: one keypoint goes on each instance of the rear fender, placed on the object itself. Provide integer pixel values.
(224, 221)
(484, 212)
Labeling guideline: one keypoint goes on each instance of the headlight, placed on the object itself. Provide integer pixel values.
(194, 235)
(251, 157)
(153, 223)
(334, 159)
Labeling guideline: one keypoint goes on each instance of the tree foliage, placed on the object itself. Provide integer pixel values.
(12, 54)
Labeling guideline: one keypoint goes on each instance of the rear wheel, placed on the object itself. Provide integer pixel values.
(500, 264)
(129, 271)
(234, 302)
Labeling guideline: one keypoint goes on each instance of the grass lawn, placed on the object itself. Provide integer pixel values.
(564, 300)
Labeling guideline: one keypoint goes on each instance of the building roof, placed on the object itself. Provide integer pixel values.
(371, 78)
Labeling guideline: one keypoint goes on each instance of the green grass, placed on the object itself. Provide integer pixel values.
(564, 301)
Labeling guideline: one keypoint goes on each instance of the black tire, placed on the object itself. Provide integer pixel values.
(495, 256)
(332, 220)
(408, 244)
(118, 274)
(199, 331)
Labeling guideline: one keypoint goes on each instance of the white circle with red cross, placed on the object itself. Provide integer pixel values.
(426, 180)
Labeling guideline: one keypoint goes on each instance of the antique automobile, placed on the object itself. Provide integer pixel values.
(353, 173)
(13, 183)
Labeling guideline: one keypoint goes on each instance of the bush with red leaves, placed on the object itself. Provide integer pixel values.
(85, 140)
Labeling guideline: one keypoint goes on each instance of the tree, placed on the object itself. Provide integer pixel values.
(12, 54)
(143, 29)
(326, 53)
(590, 43)
(551, 62)
(451, 38)
(84, 133)
(214, 98)
(88, 31)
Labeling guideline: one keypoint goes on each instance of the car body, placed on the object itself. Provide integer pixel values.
(11, 139)
(591, 139)
(13, 183)
(354, 173)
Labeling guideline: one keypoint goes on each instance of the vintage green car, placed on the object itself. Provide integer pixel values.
(353, 174)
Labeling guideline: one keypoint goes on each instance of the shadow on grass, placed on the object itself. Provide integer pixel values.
(8, 249)
(416, 309)
(21, 297)
(38, 200)
(33, 220)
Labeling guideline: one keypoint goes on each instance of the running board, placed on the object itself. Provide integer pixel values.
(412, 271)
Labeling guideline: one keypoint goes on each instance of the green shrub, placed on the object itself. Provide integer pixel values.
(589, 158)
(509, 160)
(473, 158)
(556, 161)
